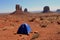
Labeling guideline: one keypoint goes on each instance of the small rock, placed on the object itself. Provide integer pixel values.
(35, 35)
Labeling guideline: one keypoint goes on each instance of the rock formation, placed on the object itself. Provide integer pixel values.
(18, 8)
(46, 9)
(25, 10)
(58, 10)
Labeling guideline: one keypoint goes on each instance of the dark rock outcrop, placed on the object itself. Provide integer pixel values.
(18, 9)
(58, 10)
(25, 10)
(46, 9)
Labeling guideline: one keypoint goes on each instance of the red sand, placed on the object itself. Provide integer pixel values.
(9, 25)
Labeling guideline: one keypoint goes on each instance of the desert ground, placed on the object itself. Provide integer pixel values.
(44, 26)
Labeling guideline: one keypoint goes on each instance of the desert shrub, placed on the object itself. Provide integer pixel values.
(15, 33)
(46, 9)
(12, 24)
(35, 35)
(20, 35)
(4, 29)
(17, 39)
(23, 39)
(37, 20)
(41, 18)
(58, 33)
(31, 20)
(51, 19)
(17, 21)
(43, 25)
(5, 20)
(58, 22)
(25, 10)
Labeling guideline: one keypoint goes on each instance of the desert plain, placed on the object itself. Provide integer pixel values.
(44, 26)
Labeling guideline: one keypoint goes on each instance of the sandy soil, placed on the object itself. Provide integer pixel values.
(43, 26)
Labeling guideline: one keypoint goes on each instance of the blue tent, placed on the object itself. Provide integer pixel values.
(24, 29)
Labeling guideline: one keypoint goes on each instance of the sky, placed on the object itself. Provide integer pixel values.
(32, 5)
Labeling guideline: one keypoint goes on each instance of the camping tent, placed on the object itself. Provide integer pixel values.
(24, 29)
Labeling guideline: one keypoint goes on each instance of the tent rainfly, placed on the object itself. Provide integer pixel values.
(24, 29)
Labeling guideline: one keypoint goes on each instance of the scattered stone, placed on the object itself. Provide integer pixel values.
(52, 22)
(35, 35)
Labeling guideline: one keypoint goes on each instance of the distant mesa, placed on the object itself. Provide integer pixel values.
(46, 9)
(18, 10)
(58, 10)
(18, 7)
(25, 10)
